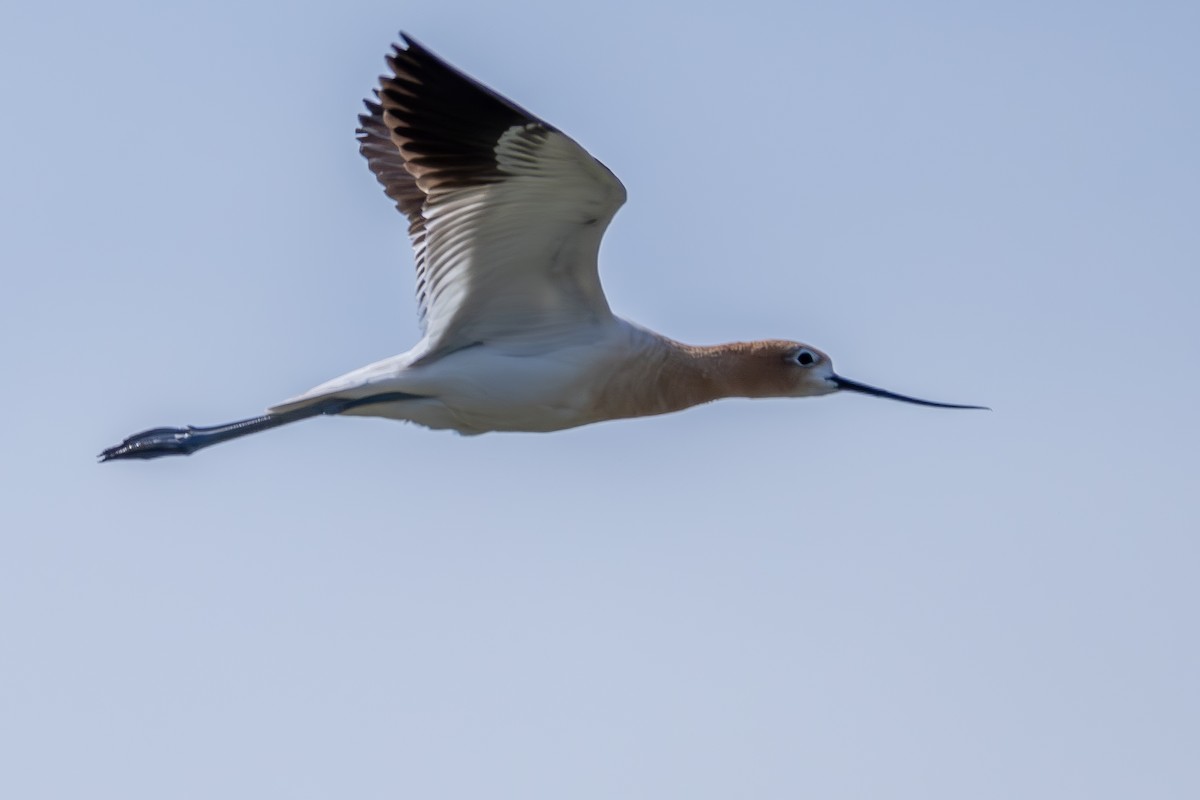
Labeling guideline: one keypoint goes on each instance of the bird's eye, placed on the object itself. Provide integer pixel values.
(805, 357)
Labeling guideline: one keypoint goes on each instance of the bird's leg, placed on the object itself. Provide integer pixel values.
(185, 441)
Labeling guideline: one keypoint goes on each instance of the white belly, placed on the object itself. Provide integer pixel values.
(496, 388)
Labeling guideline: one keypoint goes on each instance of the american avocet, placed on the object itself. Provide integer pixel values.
(506, 214)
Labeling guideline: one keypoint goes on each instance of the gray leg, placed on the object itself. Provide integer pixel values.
(185, 441)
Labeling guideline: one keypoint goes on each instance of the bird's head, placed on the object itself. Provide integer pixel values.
(794, 369)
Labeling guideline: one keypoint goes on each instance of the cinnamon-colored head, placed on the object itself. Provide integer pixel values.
(774, 368)
(777, 368)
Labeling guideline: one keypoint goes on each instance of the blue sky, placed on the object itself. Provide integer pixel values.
(835, 598)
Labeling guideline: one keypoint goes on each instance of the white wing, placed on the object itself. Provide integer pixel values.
(505, 212)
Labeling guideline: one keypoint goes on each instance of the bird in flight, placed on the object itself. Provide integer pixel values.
(506, 213)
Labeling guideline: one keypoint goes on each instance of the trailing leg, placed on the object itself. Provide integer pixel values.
(185, 441)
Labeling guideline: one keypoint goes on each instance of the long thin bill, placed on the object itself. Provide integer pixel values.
(862, 388)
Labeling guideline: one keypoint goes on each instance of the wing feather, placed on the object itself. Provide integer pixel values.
(505, 212)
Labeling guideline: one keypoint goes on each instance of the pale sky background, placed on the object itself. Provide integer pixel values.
(833, 598)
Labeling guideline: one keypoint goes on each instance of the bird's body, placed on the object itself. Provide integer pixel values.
(506, 214)
(500, 386)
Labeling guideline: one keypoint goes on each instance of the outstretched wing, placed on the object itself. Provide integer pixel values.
(505, 212)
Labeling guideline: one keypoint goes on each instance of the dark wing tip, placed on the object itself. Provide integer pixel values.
(444, 124)
(410, 42)
(372, 119)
